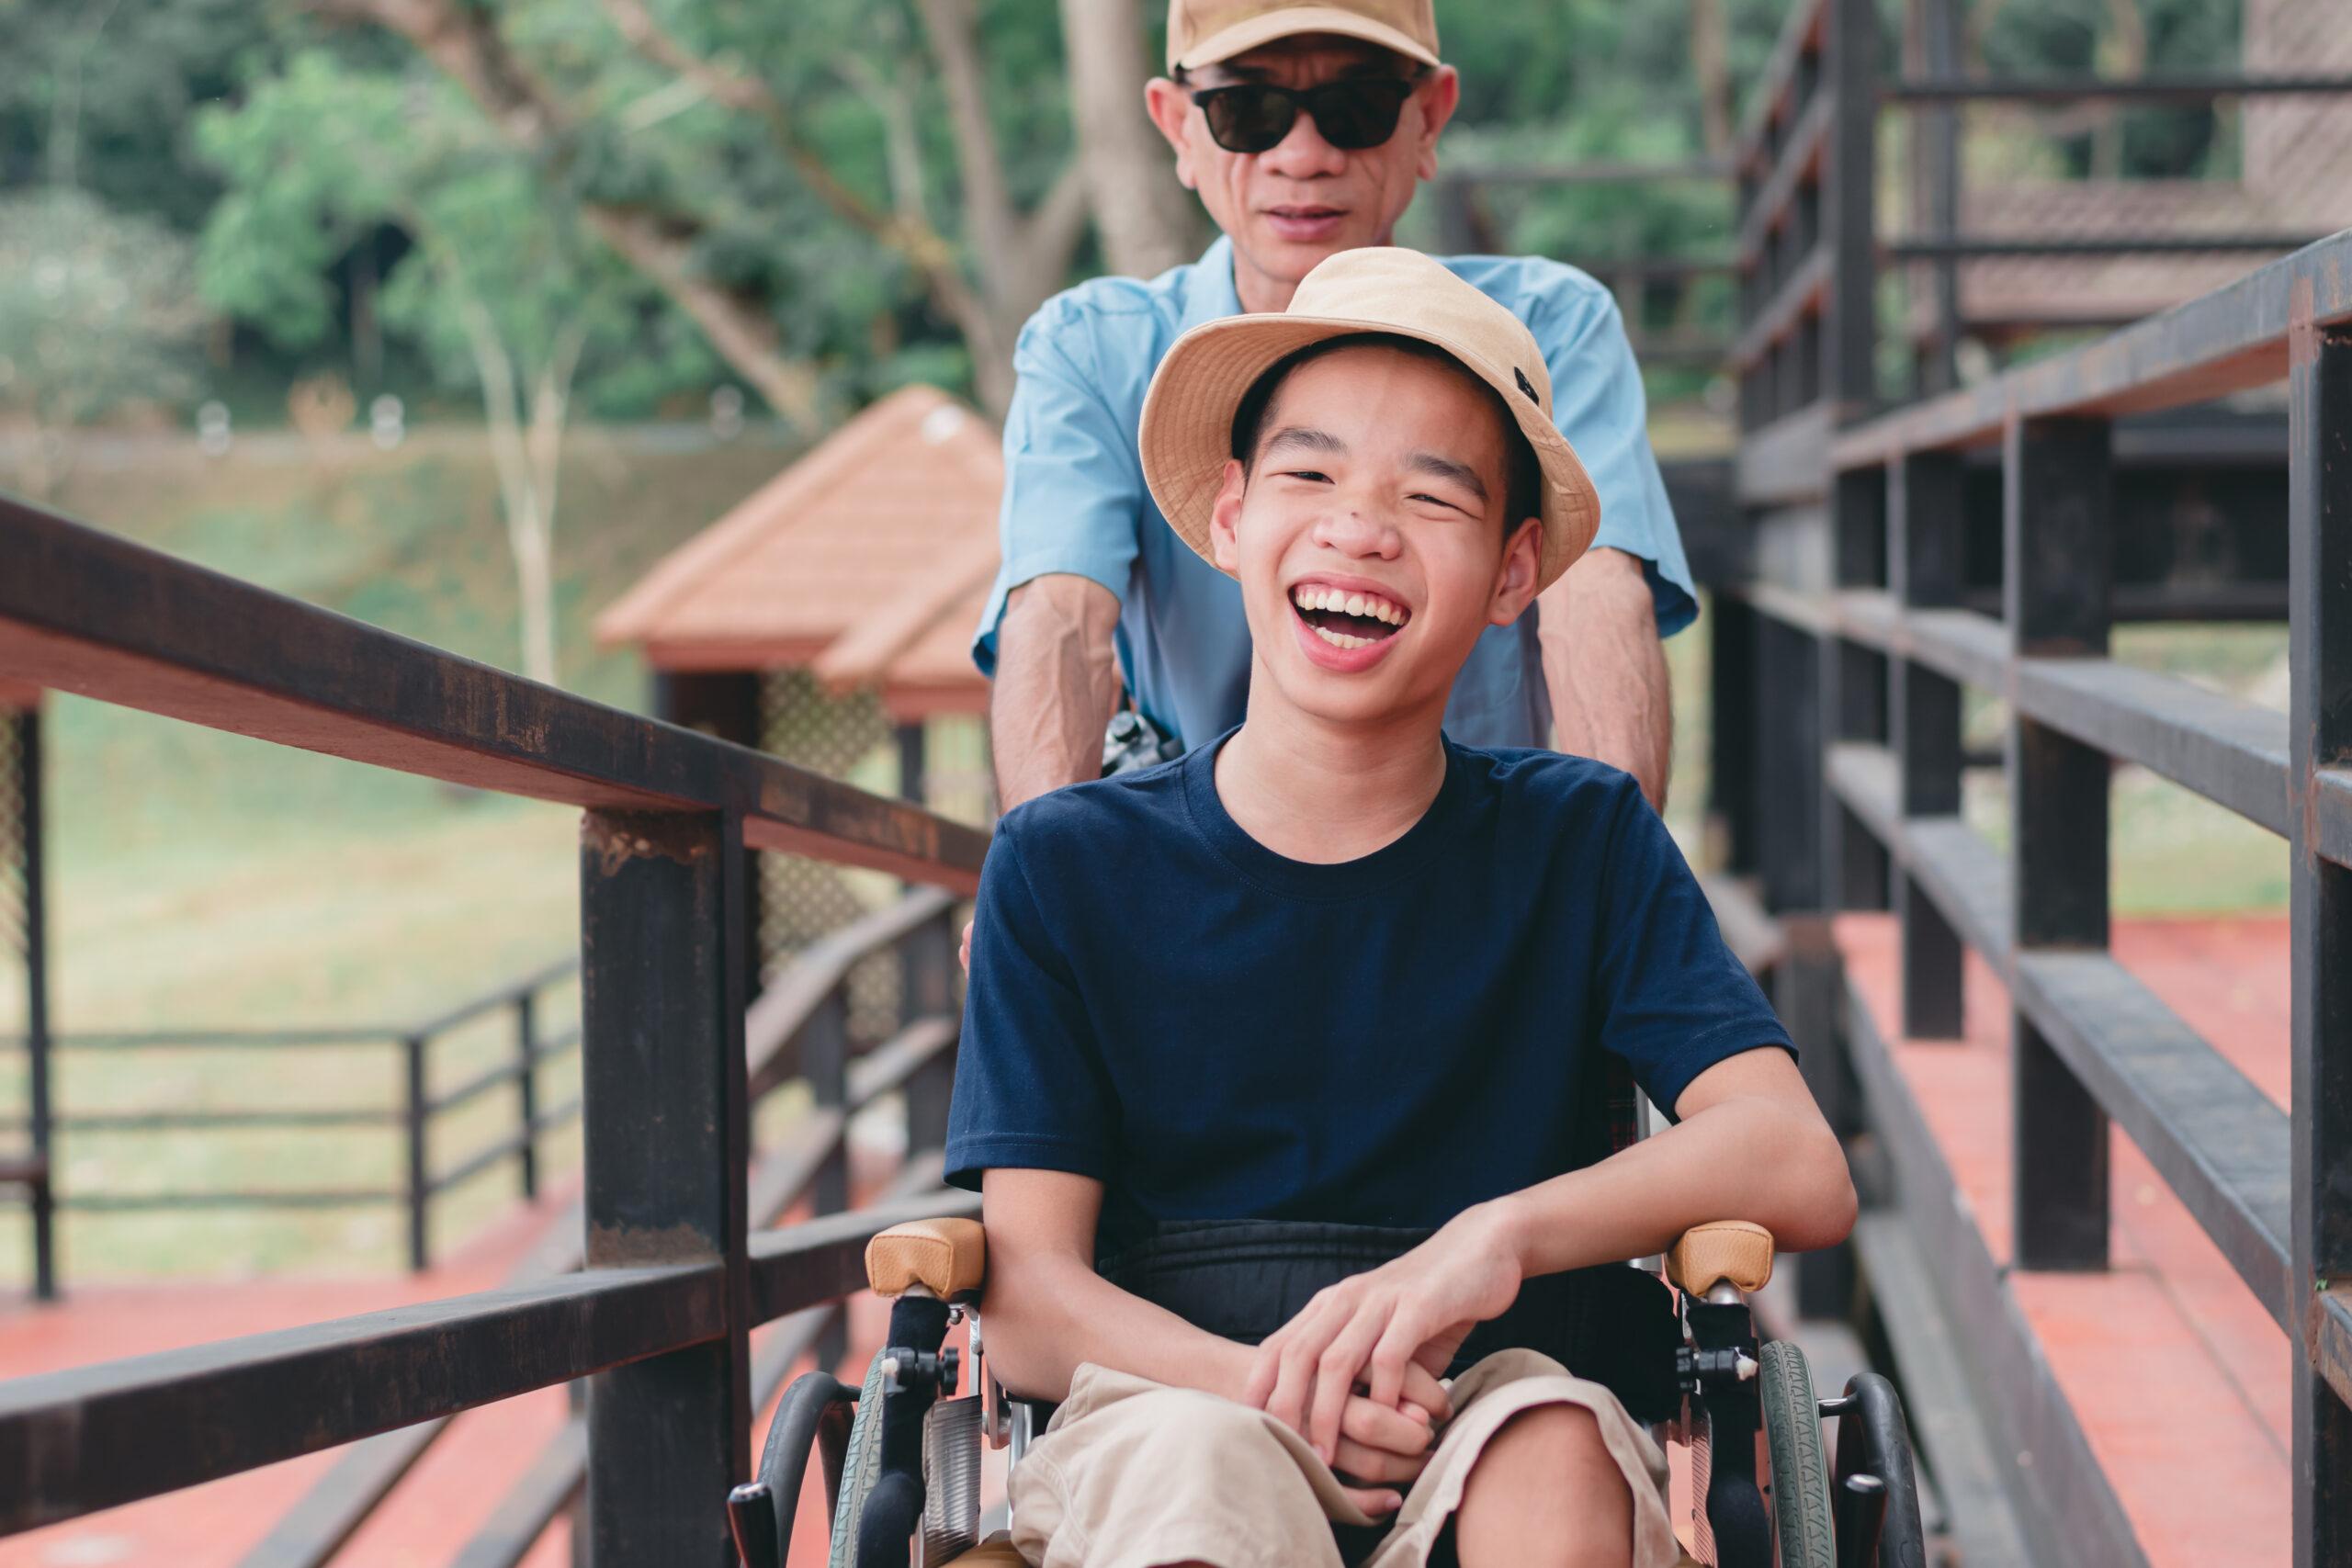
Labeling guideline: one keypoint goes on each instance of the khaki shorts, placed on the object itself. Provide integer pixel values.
(1132, 1473)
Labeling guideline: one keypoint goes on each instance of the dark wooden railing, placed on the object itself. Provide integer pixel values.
(1856, 767)
(674, 1277)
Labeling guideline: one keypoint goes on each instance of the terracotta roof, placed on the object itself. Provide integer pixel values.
(829, 542)
(936, 674)
(16, 698)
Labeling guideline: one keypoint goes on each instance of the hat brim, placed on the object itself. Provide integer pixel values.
(1186, 433)
(1289, 22)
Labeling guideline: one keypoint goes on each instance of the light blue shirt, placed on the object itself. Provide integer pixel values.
(1075, 500)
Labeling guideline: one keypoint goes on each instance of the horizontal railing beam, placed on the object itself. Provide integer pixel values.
(1801, 292)
(73, 1442)
(2327, 1336)
(504, 996)
(1798, 160)
(2228, 340)
(2187, 87)
(1787, 461)
(85, 612)
(2232, 752)
(1777, 83)
(559, 1042)
(2228, 751)
(780, 1011)
(824, 1260)
(1988, 247)
(1960, 874)
(2219, 1143)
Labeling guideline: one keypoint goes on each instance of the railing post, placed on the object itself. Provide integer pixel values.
(663, 1085)
(1788, 795)
(526, 1089)
(37, 1107)
(1853, 691)
(1924, 542)
(420, 1177)
(824, 1062)
(2057, 540)
(928, 963)
(2320, 726)
(1732, 721)
(1849, 209)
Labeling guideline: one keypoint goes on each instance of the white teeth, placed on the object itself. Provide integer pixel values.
(1316, 597)
(1341, 640)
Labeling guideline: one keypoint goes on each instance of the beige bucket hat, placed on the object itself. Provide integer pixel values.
(1202, 32)
(1187, 430)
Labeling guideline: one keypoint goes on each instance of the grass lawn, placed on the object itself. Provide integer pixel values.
(201, 880)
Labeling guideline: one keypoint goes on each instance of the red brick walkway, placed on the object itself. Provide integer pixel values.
(2179, 1377)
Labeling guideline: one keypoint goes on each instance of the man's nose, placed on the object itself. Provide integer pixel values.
(1303, 154)
(1356, 529)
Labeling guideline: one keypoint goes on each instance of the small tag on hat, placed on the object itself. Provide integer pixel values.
(1525, 386)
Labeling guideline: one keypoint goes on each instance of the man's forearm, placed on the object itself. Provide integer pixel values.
(1606, 668)
(1753, 1159)
(1056, 682)
(1046, 1316)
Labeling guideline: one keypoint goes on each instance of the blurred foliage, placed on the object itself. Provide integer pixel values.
(319, 156)
(109, 95)
(99, 314)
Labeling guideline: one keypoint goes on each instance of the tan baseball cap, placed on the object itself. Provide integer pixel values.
(1187, 432)
(1200, 32)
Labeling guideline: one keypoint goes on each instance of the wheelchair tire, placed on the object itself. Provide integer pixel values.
(1800, 1517)
(861, 1468)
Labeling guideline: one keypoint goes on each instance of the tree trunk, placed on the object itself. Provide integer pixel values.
(1147, 221)
(517, 456)
(1709, 63)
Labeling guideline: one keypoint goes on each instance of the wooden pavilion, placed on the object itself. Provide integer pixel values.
(830, 613)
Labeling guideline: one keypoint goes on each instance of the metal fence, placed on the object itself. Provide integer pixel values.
(408, 1123)
(674, 1277)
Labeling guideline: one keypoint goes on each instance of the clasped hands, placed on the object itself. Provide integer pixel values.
(1356, 1373)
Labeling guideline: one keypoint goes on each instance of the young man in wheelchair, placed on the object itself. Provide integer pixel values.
(1282, 1063)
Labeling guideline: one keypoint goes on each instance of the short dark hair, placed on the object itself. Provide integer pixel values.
(1523, 475)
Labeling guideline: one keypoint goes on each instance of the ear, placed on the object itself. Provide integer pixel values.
(1225, 519)
(1171, 108)
(1439, 97)
(1515, 578)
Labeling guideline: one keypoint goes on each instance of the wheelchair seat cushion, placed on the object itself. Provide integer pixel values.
(1244, 1279)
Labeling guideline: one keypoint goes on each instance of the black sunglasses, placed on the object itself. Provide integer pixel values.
(1253, 116)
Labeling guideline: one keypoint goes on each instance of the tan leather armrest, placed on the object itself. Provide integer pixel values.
(947, 1257)
(1721, 1251)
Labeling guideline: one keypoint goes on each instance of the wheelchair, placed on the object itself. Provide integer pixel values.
(901, 1454)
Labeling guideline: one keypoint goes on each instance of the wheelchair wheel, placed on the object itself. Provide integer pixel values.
(861, 1467)
(1801, 1516)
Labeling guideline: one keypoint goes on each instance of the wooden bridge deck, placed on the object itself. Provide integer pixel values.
(2175, 1374)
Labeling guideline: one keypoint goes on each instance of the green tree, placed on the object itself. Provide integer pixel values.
(790, 175)
(99, 313)
(499, 285)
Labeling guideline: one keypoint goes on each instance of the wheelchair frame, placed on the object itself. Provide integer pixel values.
(1874, 1490)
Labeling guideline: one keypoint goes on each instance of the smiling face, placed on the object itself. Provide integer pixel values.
(1303, 199)
(1368, 534)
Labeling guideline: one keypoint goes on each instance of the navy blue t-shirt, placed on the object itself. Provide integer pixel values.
(1217, 1032)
